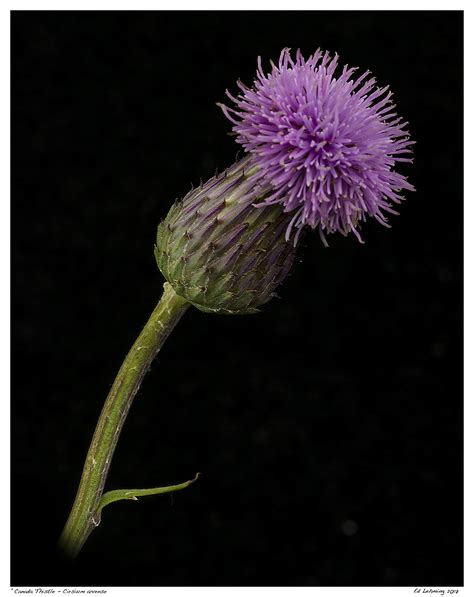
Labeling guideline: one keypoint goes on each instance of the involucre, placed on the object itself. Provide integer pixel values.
(221, 253)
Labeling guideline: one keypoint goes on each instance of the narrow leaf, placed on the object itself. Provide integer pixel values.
(133, 494)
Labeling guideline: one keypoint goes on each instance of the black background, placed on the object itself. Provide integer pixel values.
(341, 403)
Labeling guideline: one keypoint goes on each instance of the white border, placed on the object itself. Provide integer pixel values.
(468, 293)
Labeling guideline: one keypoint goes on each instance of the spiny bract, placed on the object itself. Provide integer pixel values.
(218, 251)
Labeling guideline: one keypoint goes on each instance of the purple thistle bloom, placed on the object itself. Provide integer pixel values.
(325, 145)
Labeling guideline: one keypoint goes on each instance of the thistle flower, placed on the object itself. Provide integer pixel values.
(327, 144)
(321, 151)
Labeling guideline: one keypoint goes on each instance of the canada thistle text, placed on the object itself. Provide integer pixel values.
(40, 591)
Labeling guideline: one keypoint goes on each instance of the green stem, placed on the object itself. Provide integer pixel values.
(84, 516)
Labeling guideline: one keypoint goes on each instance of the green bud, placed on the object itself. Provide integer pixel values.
(219, 251)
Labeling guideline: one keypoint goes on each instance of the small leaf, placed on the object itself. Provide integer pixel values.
(133, 494)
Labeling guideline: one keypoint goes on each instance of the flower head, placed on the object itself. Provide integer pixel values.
(326, 145)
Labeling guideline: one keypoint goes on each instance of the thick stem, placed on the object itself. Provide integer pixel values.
(84, 517)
